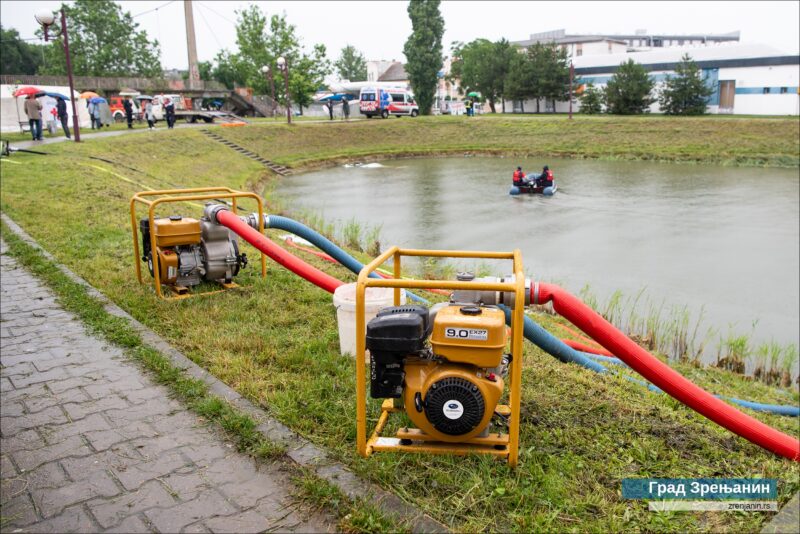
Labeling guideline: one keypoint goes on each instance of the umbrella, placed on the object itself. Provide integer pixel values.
(89, 94)
(338, 97)
(144, 97)
(57, 95)
(473, 93)
(28, 90)
(97, 100)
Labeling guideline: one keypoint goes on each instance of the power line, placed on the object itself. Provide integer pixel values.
(216, 12)
(212, 32)
(151, 10)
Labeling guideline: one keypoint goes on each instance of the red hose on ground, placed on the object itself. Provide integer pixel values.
(288, 260)
(586, 348)
(662, 375)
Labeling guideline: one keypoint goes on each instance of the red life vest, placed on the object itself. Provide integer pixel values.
(547, 176)
(518, 176)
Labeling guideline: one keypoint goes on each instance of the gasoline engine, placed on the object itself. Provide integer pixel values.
(447, 364)
(190, 251)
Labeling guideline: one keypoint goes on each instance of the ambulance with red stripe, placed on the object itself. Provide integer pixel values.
(377, 101)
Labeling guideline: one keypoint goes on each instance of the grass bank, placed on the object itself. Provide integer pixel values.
(275, 341)
(723, 141)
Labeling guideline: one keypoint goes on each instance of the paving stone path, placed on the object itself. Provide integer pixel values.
(89, 443)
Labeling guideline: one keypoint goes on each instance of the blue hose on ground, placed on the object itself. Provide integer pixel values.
(326, 245)
(532, 331)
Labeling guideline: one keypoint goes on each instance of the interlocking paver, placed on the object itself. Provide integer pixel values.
(90, 443)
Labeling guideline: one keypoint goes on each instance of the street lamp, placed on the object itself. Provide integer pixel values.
(46, 18)
(268, 72)
(283, 66)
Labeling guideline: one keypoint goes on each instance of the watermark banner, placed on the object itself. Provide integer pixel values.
(700, 488)
(713, 506)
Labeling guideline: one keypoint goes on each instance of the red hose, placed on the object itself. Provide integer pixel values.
(662, 375)
(586, 348)
(288, 260)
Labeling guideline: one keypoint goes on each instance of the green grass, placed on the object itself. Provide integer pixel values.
(275, 341)
(726, 141)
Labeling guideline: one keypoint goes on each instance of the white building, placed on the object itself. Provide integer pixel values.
(747, 79)
(591, 44)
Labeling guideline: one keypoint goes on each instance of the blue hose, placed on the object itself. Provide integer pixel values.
(326, 245)
(532, 331)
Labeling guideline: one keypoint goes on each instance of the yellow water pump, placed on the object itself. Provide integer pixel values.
(454, 368)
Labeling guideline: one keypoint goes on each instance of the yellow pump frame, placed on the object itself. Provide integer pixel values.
(186, 195)
(496, 444)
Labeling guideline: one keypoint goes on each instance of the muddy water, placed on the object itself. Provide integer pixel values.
(718, 239)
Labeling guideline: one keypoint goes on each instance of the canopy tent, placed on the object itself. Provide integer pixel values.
(12, 109)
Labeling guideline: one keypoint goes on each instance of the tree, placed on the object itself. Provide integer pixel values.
(519, 81)
(260, 46)
(103, 41)
(628, 92)
(351, 65)
(423, 50)
(550, 67)
(686, 93)
(591, 100)
(16, 55)
(482, 66)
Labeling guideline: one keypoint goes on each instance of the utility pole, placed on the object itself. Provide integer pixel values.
(191, 44)
(571, 77)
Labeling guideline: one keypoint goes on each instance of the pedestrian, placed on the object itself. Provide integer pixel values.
(90, 108)
(346, 108)
(149, 115)
(94, 111)
(63, 116)
(169, 108)
(468, 106)
(33, 109)
(330, 108)
(128, 105)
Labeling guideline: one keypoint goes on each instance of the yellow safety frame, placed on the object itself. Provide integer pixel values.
(501, 445)
(186, 195)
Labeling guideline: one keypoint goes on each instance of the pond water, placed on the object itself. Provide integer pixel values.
(722, 241)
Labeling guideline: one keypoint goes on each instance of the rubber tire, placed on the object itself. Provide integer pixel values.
(385, 114)
(369, 116)
(414, 112)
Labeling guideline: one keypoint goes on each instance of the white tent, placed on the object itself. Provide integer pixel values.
(12, 109)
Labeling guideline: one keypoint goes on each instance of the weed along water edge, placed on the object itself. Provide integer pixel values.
(580, 434)
(716, 241)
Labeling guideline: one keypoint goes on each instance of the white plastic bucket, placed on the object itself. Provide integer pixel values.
(344, 300)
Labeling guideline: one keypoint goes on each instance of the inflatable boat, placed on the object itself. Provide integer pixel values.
(533, 189)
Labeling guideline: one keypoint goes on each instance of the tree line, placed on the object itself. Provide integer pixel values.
(500, 71)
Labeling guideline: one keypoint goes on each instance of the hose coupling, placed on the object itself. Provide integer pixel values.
(212, 209)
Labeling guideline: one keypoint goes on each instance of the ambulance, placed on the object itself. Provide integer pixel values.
(377, 101)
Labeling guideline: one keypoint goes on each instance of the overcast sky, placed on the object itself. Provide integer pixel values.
(379, 28)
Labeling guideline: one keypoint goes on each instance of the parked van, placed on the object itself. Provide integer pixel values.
(384, 102)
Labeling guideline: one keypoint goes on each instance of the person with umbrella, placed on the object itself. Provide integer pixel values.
(329, 105)
(33, 109)
(346, 108)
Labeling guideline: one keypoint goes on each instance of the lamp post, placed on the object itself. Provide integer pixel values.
(268, 72)
(46, 18)
(283, 66)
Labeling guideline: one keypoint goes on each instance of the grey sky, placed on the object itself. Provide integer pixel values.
(379, 28)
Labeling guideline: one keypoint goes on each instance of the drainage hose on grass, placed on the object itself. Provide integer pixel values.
(323, 243)
(662, 375)
(574, 310)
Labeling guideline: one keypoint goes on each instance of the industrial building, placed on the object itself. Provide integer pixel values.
(747, 79)
(590, 44)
